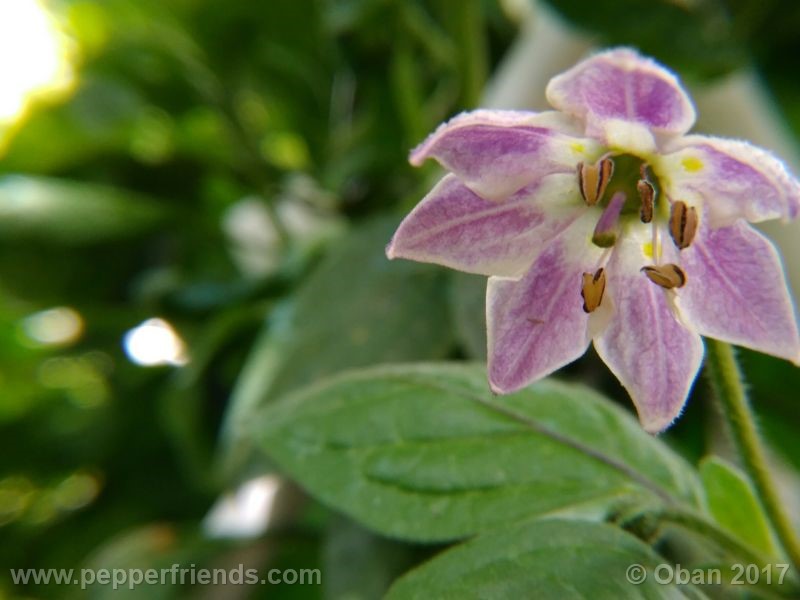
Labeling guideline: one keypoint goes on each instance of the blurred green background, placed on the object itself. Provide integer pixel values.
(193, 207)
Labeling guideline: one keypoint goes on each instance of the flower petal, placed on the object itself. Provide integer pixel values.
(454, 227)
(732, 178)
(496, 153)
(537, 324)
(652, 354)
(616, 87)
(736, 291)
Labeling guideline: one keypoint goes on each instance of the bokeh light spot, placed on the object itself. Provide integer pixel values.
(154, 342)
(246, 512)
(54, 327)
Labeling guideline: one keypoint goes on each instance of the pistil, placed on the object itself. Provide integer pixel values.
(607, 228)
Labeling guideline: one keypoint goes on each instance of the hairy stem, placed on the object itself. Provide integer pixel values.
(726, 380)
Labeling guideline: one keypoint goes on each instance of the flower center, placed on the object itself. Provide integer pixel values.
(627, 175)
(625, 188)
(628, 172)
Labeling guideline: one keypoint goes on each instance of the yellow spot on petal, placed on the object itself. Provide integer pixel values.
(578, 147)
(692, 164)
(647, 249)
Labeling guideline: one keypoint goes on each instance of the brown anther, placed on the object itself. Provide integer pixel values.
(592, 290)
(647, 194)
(593, 179)
(667, 276)
(682, 224)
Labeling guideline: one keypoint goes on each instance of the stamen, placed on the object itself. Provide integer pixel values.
(594, 285)
(647, 194)
(667, 276)
(682, 224)
(593, 179)
(605, 232)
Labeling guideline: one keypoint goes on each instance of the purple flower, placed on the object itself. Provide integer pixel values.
(603, 221)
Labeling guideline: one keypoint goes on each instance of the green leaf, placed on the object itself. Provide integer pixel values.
(69, 212)
(358, 308)
(542, 559)
(732, 502)
(425, 452)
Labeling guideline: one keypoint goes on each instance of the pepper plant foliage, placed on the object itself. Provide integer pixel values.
(426, 453)
(237, 169)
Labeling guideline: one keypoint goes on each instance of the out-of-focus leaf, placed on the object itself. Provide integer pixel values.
(360, 565)
(425, 452)
(773, 385)
(67, 212)
(97, 121)
(466, 21)
(358, 308)
(406, 92)
(468, 304)
(542, 559)
(218, 346)
(696, 37)
(734, 505)
(156, 548)
(150, 547)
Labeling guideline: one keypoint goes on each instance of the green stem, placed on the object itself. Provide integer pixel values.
(726, 380)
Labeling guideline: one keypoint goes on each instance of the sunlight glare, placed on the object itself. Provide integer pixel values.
(33, 56)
